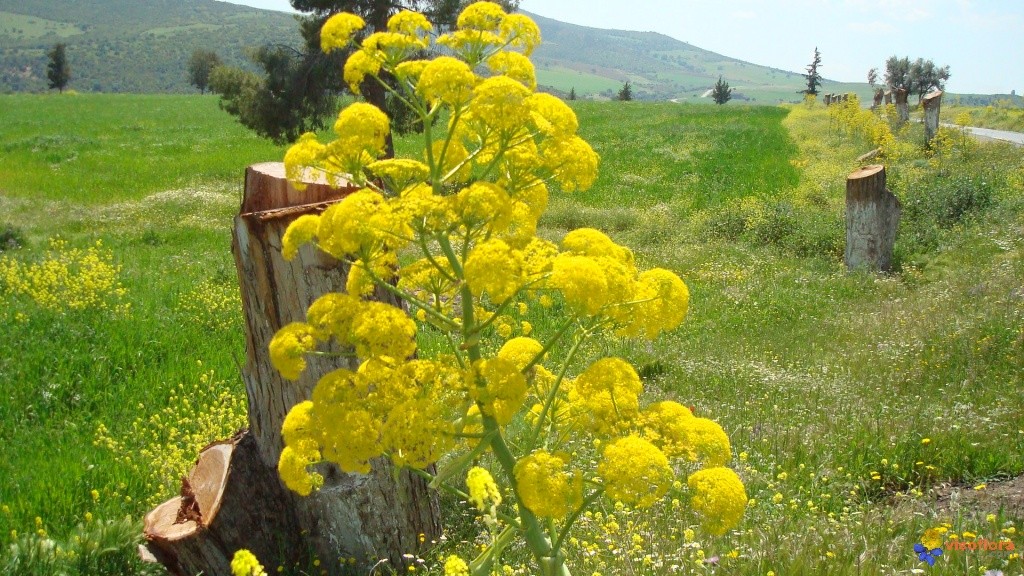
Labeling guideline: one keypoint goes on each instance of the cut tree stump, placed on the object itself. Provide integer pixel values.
(872, 217)
(931, 103)
(902, 107)
(234, 497)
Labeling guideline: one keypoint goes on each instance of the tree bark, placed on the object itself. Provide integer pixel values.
(877, 99)
(888, 97)
(381, 515)
(230, 500)
(872, 217)
(931, 103)
(902, 107)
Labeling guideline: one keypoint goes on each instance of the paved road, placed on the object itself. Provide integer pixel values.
(1014, 137)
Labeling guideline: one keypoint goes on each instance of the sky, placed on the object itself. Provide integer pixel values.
(982, 41)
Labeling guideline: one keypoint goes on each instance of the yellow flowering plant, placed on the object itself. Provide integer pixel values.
(464, 217)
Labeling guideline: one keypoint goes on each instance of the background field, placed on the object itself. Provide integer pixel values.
(856, 404)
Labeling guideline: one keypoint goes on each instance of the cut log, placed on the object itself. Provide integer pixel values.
(380, 515)
(869, 155)
(931, 103)
(230, 500)
(872, 217)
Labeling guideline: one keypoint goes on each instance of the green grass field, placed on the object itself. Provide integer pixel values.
(855, 403)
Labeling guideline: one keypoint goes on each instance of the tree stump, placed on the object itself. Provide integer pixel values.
(877, 98)
(365, 517)
(902, 107)
(888, 97)
(931, 103)
(872, 217)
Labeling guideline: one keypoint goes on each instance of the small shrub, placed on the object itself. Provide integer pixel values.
(11, 238)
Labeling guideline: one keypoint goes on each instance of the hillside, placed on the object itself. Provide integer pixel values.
(127, 45)
(131, 46)
(596, 61)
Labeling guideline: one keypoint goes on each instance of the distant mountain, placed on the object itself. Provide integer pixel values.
(144, 45)
(129, 45)
(597, 62)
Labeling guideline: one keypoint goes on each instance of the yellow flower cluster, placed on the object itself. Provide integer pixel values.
(545, 487)
(383, 407)
(606, 396)
(455, 566)
(673, 428)
(635, 471)
(483, 491)
(719, 496)
(244, 563)
(159, 449)
(67, 279)
(463, 217)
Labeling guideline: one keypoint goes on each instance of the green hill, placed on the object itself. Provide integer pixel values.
(136, 46)
(596, 62)
(128, 45)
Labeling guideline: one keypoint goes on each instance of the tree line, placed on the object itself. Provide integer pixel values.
(918, 77)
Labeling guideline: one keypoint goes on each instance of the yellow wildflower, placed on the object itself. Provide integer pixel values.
(545, 487)
(494, 268)
(634, 471)
(455, 566)
(483, 492)
(244, 563)
(448, 80)
(300, 231)
(337, 32)
(287, 349)
(719, 496)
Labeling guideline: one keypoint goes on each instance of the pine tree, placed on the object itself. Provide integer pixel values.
(812, 76)
(296, 90)
(626, 92)
(58, 71)
(722, 93)
(572, 93)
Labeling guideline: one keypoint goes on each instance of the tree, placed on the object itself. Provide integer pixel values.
(572, 93)
(58, 71)
(626, 92)
(812, 76)
(721, 92)
(873, 77)
(200, 65)
(925, 76)
(298, 87)
(897, 73)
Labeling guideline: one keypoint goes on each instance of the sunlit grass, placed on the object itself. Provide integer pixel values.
(848, 398)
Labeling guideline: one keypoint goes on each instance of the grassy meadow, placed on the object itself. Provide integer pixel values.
(862, 409)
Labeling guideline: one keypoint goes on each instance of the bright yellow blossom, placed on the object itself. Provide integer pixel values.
(635, 471)
(338, 30)
(545, 487)
(244, 563)
(719, 496)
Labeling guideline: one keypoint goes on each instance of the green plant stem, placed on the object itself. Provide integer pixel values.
(590, 499)
(554, 389)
